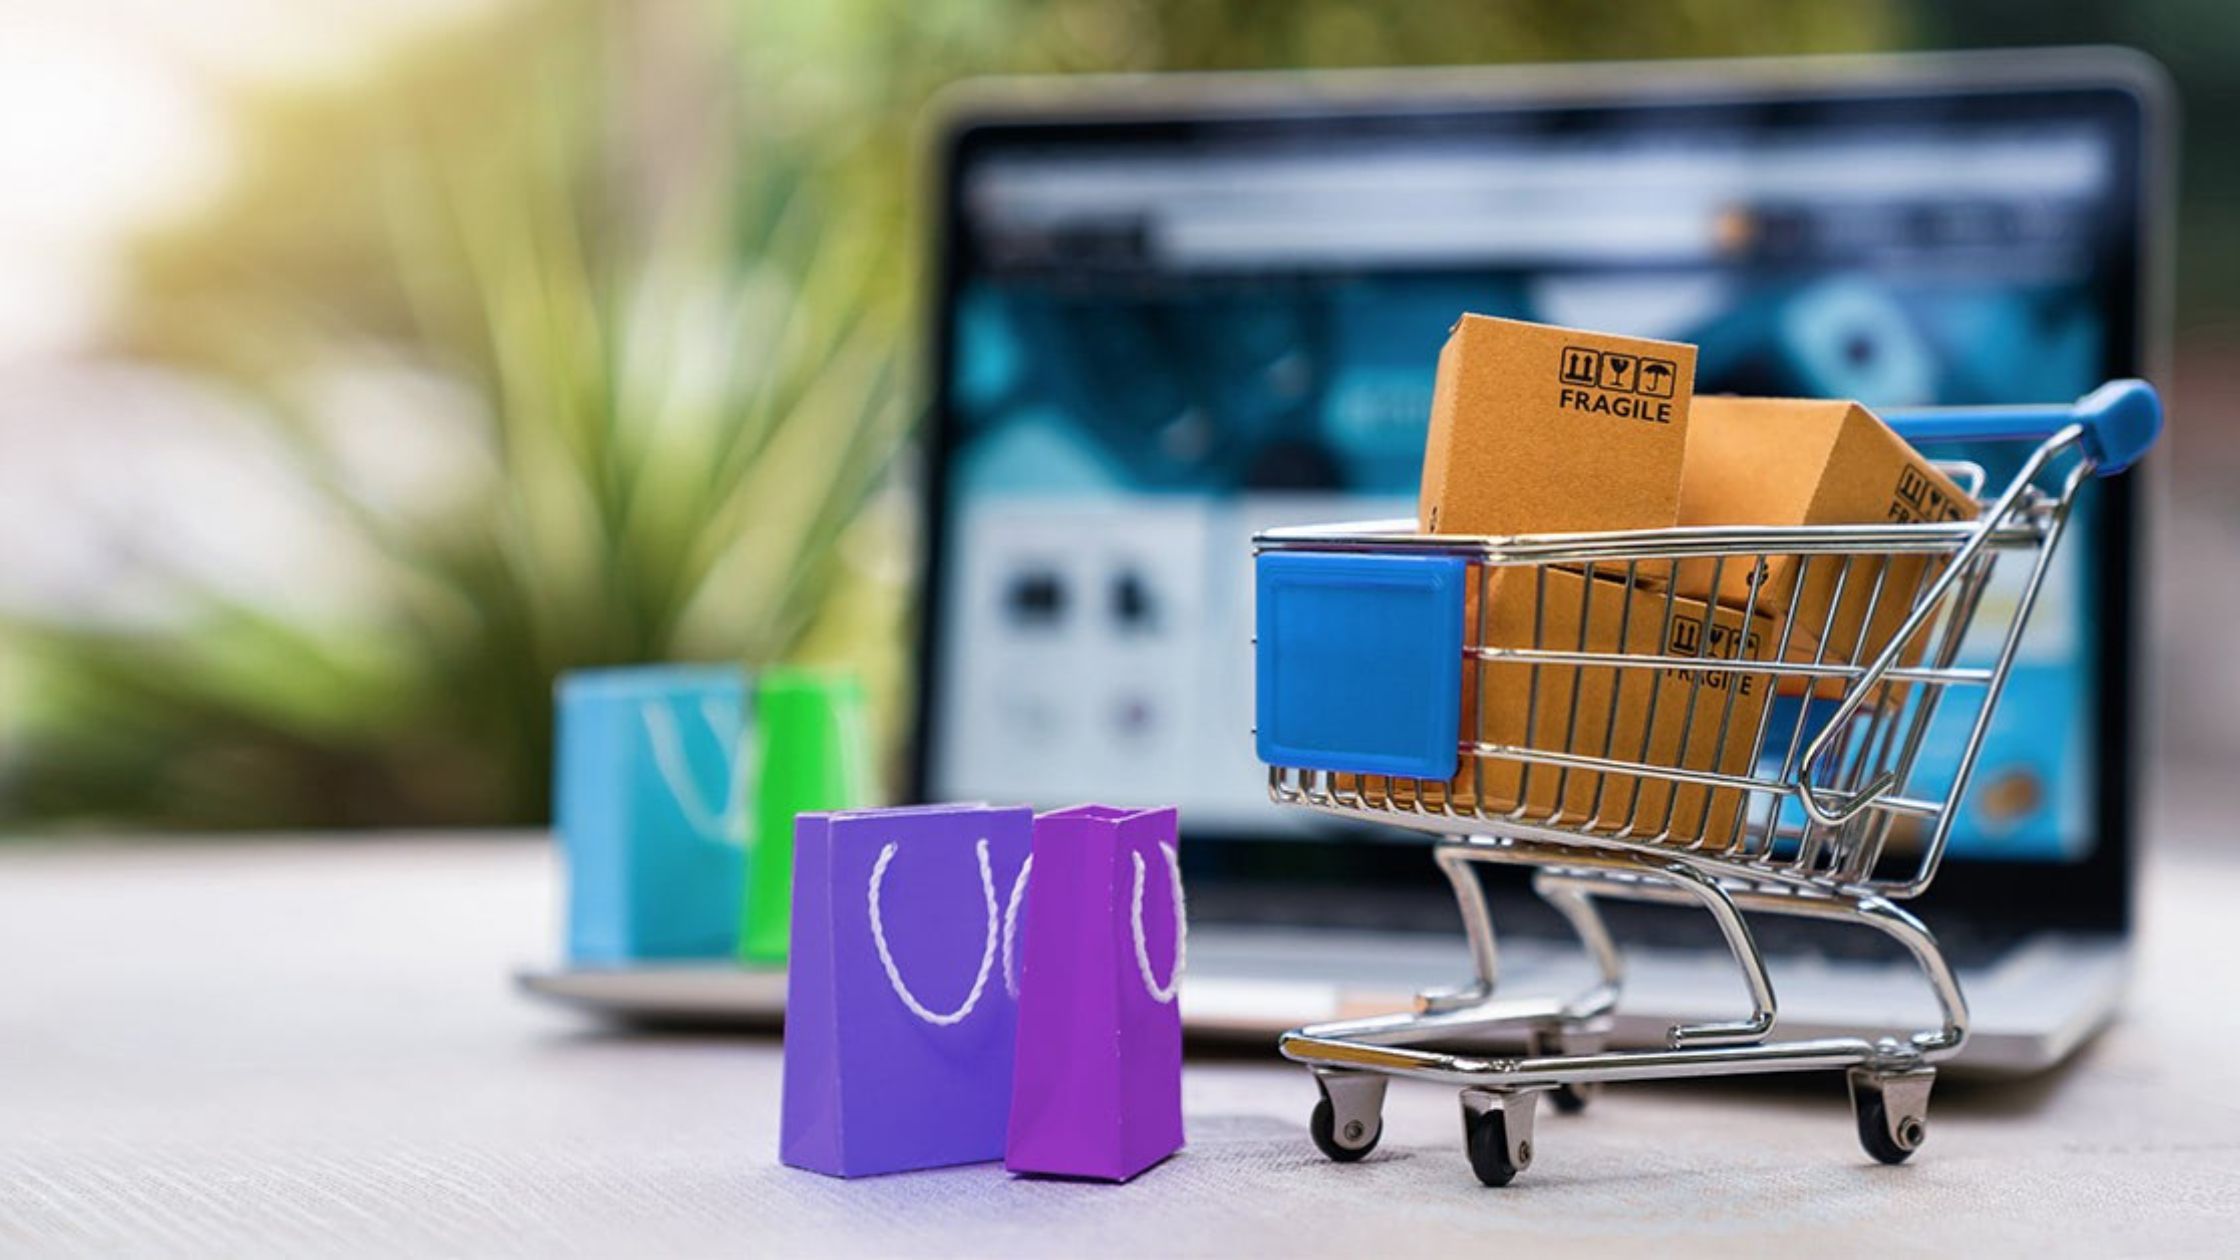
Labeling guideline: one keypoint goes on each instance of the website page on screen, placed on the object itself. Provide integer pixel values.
(1157, 350)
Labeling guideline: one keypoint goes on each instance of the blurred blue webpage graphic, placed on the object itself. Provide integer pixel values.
(1119, 438)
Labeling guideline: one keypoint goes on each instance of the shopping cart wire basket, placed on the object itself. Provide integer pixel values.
(1550, 701)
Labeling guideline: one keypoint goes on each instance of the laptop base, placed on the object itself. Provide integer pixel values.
(2031, 1007)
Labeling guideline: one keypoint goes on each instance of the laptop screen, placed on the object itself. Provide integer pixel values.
(1161, 338)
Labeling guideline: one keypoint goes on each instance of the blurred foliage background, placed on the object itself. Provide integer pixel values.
(640, 282)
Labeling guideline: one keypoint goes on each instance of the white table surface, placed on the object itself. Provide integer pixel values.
(311, 1046)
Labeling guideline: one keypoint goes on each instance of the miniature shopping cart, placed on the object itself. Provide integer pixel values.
(1476, 688)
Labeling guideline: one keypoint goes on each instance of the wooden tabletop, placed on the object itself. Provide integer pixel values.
(310, 1046)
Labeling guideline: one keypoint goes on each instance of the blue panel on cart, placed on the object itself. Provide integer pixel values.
(1360, 662)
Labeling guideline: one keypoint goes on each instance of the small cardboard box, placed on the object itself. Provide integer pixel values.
(1786, 461)
(1538, 429)
(1672, 718)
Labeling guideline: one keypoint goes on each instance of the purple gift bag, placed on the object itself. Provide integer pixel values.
(900, 1010)
(1098, 1076)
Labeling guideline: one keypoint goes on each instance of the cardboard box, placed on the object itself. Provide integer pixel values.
(1539, 429)
(1663, 718)
(1785, 461)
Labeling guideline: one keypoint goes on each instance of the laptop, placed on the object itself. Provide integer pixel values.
(1171, 312)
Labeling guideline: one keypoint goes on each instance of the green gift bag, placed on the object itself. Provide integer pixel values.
(812, 754)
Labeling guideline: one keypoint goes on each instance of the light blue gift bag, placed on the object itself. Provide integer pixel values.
(648, 803)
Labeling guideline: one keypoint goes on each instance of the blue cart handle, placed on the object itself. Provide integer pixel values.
(2121, 419)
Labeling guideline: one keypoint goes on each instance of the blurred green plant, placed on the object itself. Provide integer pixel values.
(664, 249)
(681, 422)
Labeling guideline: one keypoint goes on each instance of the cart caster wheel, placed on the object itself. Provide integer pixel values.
(1572, 1099)
(1892, 1111)
(1348, 1119)
(1487, 1137)
(1323, 1127)
(1497, 1134)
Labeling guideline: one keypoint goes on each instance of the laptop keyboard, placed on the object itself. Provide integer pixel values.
(1967, 946)
(1521, 916)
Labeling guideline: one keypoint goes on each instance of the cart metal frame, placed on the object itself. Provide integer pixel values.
(1847, 826)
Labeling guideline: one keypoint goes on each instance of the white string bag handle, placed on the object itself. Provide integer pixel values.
(676, 773)
(939, 1019)
(1162, 994)
(1011, 927)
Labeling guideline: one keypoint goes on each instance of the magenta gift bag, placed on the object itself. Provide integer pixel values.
(900, 1011)
(1097, 1089)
